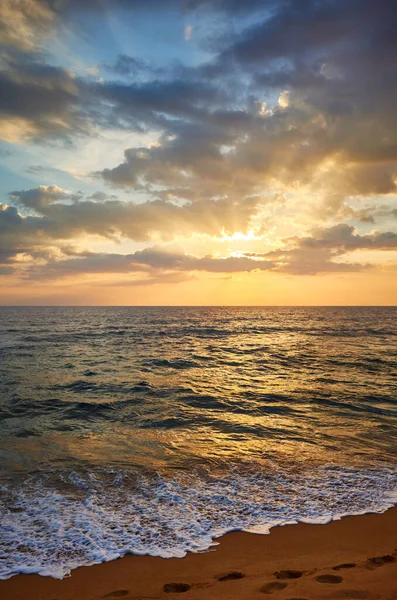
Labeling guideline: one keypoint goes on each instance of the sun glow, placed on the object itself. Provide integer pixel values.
(238, 236)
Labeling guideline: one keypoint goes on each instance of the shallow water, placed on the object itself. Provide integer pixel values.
(153, 430)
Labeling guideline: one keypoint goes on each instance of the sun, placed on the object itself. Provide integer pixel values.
(238, 236)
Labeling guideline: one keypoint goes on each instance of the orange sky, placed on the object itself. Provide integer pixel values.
(151, 157)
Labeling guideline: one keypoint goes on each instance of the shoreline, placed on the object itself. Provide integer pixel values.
(243, 565)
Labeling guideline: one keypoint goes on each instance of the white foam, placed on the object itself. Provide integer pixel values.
(320, 520)
(50, 529)
(391, 497)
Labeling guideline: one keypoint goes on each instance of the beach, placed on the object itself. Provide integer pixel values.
(355, 557)
(198, 299)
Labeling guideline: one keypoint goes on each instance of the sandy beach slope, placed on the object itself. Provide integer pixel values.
(352, 558)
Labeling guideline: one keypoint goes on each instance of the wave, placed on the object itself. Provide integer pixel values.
(53, 524)
(171, 401)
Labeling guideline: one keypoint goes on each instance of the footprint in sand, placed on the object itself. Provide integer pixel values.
(288, 574)
(326, 578)
(273, 586)
(230, 576)
(117, 594)
(344, 566)
(359, 594)
(177, 588)
(379, 561)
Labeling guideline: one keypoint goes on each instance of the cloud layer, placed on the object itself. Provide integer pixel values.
(280, 126)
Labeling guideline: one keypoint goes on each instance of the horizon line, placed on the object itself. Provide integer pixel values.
(198, 305)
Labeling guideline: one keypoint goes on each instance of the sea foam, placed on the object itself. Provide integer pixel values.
(51, 527)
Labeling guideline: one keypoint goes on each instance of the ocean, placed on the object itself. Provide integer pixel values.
(155, 430)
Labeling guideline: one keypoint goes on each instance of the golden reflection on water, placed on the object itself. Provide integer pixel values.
(195, 387)
(288, 440)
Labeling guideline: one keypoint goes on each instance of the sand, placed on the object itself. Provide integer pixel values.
(352, 558)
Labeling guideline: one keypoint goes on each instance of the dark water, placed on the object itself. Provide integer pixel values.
(153, 430)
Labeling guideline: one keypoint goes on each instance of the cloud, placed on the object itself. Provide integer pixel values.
(60, 216)
(303, 258)
(301, 30)
(41, 101)
(295, 99)
(126, 65)
(191, 159)
(303, 261)
(283, 102)
(22, 22)
(153, 262)
(38, 100)
(321, 252)
(344, 238)
(187, 33)
(38, 198)
(316, 61)
(154, 102)
(5, 271)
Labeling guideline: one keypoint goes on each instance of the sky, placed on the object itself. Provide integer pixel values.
(197, 152)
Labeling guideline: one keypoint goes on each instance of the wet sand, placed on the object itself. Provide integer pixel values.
(352, 558)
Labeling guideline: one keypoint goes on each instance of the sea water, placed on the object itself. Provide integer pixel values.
(156, 430)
